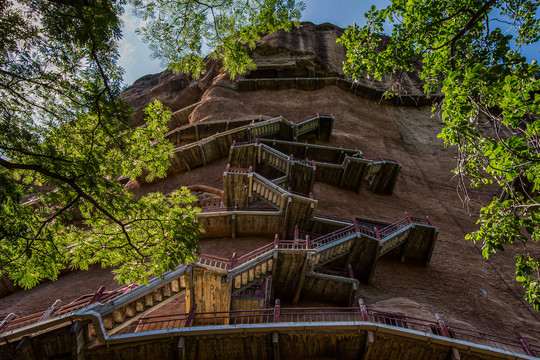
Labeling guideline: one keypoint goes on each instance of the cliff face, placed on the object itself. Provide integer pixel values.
(309, 52)
(458, 283)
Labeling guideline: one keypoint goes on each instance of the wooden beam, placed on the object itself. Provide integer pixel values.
(302, 279)
(453, 354)
(368, 345)
(77, 330)
(25, 350)
(275, 345)
(182, 348)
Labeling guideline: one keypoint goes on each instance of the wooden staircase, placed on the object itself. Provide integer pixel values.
(141, 301)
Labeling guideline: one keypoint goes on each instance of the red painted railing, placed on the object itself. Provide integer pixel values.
(351, 314)
(255, 253)
(214, 261)
(333, 236)
(228, 209)
(62, 310)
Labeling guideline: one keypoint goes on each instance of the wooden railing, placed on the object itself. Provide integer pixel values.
(254, 254)
(214, 261)
(333, 236)
(336, 314)
(55, 311)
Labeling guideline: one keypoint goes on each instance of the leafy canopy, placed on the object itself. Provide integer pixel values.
(65, 140)
(182, 33)
(491, 104)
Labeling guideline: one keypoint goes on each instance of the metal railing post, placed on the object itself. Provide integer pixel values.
(356, 227)
(524, 344)
(276, 311)
(351, 273)
(442, 326)
(97, 295)
(296, 232)
(429, 221)
(308, 242)
(377, 234)
(408, 217)
(234, 259)
(276, 241)
(7, 319)
(363, 310)
(191, 316)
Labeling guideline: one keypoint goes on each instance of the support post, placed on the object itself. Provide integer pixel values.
(233, 223)
(302, 279)
(453, 354)
(442, 326)
(429, 221)
(97, 295)
(275, 345)
(356, 227)
(234, 259)
(351, 273)
(276, 241)
(182, 348)
(524, 344)
(276, 311)
(363, 310)
(308, 242)
(50, 311)
(377, 234)
(191, 316)
(77, 331)
(408, 217)
(7, 319)
(296, 232)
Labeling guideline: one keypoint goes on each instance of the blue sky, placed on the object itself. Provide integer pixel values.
(136, 60)
(135, 55)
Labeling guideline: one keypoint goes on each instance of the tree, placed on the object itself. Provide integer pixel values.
(183, 33)
(490, 108)
(65, 140)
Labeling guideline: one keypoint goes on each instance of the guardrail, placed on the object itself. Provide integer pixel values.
(333, 236)
(56, 310)
(277, 314)
(214, 261)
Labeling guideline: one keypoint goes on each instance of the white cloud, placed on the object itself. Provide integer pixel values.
(126, 49)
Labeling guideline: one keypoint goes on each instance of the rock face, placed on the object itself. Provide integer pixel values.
(309, 52)
(459, 284)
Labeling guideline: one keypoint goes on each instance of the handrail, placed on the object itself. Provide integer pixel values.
(214, 261)
(254, 254)
(237, 209)
(330, 314)
(333, 236)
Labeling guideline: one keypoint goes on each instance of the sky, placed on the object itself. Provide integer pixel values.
(135, 56)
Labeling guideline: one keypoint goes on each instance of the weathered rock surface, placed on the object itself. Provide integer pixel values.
(459, 284)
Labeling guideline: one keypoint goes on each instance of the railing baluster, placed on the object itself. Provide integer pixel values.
(276, 311)
(524, 344)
